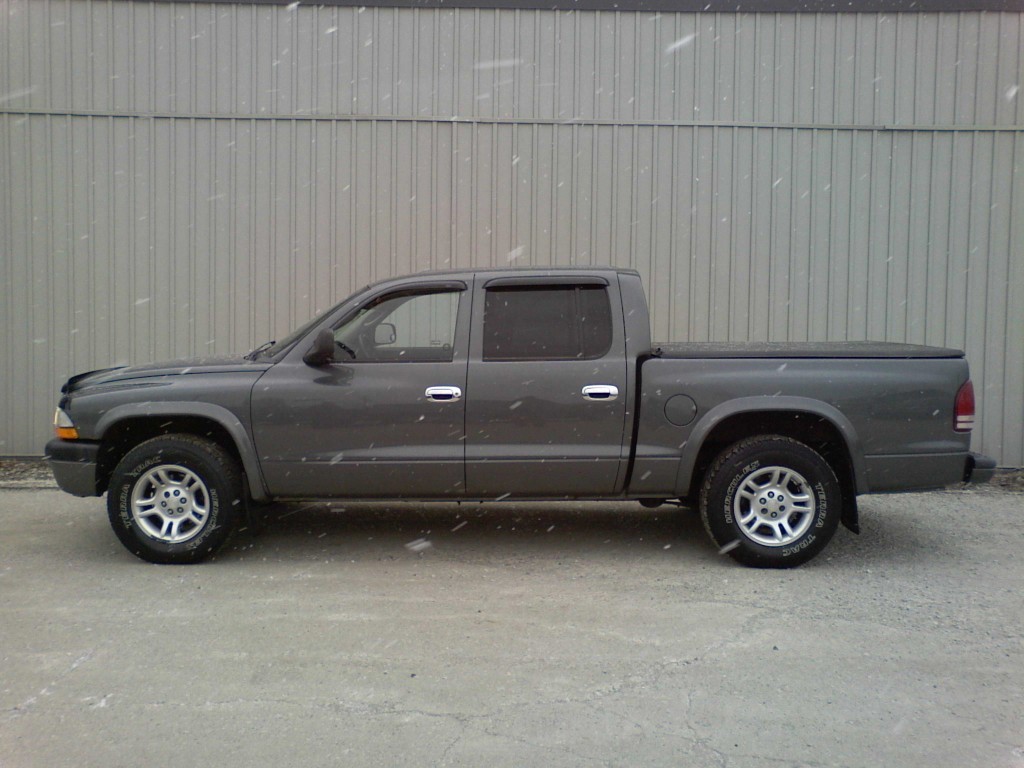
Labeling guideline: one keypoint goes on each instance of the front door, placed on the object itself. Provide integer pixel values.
(386, 417)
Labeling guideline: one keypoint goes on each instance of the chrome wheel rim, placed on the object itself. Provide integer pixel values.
(170, 503)
(774, 506)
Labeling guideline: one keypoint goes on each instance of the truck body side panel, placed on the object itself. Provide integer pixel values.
(883, 408)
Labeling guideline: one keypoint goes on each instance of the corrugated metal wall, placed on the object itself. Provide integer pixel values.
(180, 179)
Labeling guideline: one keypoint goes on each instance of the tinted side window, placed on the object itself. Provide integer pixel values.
(571, 322)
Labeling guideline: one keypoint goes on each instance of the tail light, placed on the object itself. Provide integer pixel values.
(963, 409)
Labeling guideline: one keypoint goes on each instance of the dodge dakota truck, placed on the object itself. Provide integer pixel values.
(517, 384)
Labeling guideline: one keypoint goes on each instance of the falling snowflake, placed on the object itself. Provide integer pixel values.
(682, 42)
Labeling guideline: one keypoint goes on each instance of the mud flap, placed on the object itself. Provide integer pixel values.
(850, 517)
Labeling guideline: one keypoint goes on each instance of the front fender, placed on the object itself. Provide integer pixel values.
(221, 415)
(763, 404)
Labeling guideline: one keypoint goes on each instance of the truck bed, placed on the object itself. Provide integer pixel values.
(844, 350)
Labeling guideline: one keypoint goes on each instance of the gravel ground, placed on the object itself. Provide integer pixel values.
(25, 473)
(513, 635)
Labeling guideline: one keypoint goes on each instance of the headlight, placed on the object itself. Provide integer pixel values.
(63, 426)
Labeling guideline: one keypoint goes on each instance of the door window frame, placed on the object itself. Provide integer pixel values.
(349, 308)
(402, 291)
(476, 345)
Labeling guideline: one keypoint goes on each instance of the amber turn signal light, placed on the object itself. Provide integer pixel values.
(63, 426)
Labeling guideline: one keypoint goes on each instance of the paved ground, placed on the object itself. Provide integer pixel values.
(523, 635)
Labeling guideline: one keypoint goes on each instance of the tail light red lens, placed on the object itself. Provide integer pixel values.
(963, 410)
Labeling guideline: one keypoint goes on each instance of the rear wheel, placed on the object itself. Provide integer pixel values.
(175, 499)
(771, 502)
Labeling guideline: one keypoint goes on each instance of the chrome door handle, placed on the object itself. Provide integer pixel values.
(444, 394)
(600, 392)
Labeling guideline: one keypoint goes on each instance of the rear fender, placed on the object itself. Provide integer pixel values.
(767, 404)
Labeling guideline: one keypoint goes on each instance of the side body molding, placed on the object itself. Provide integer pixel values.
(763, 404)
(217, 413)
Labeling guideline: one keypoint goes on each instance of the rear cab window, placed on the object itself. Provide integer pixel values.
(546, 322)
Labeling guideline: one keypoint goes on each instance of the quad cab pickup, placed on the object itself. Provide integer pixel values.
(517, 384)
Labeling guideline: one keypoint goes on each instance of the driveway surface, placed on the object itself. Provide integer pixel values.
(514, 635)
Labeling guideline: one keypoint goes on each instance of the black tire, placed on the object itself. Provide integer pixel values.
(175, 499)
(744, 499)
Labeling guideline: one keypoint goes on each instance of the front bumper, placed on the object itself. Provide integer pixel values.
(73, 463)
(979, 468)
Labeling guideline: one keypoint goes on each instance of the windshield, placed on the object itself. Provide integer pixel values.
(284, 343)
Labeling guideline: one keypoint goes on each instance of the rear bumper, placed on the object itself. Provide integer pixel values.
(73, 463)
(925, 471)
(979, 468)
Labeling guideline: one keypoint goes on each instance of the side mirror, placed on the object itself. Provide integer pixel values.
(384, 334)
(322, 351)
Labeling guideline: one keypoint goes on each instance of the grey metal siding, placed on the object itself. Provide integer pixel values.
(181, 179)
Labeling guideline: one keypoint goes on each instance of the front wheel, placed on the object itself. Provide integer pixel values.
(771, 502)
(175, 499)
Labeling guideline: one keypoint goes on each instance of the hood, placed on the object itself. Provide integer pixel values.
(194, 366)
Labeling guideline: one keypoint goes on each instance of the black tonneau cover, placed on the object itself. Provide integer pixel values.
(800, 349)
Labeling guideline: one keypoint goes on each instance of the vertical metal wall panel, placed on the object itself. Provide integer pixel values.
(187, 179)
(1013, 343)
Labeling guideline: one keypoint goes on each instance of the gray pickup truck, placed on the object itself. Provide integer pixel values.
(517, 384)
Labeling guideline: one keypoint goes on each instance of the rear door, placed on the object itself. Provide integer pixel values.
(546, 409)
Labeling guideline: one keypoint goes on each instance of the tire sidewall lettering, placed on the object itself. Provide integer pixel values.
(800, 545)
(124, 497)
(822, 504)
(730, 492)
